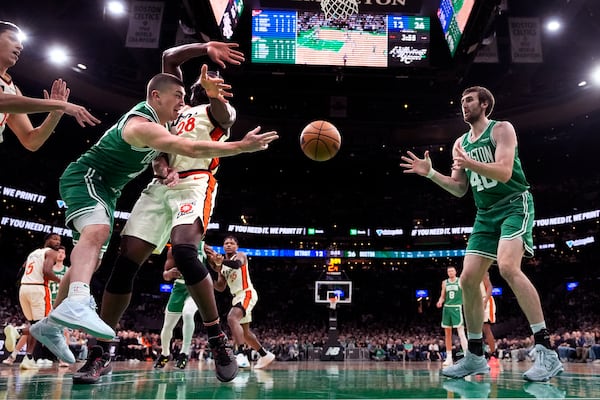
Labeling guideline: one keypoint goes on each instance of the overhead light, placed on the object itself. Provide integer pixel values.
(58, 55)
(553, 25)
(116, 8)
(582, 83)
(596, 75)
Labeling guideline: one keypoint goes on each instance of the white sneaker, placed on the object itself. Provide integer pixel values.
(448, 362)
(265, 360)
(43, 363)
(52, 336)
(9, 360)
(470, 364)
(12, 335)
(76, 315)
(546, 365)
(28, 363)
(242, 361)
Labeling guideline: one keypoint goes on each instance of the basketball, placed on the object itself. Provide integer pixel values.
(320, 140)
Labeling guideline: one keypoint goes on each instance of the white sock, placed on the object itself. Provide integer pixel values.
(189, 310)
(79, 291)
(535, 328)
(475, 335)
(166, 333)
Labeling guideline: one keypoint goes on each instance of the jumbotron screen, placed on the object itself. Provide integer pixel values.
(361, 40)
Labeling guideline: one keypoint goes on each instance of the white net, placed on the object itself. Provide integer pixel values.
(339, 9)
(333, 303)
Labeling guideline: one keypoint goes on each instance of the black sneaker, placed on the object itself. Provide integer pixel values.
(182, 360)
(226, 367)
(161, 361)
(97, 365)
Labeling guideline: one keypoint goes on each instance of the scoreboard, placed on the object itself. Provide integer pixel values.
(337, 254)
(363, 40)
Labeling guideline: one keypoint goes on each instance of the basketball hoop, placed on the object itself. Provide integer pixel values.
(333, 302)
(339, 9)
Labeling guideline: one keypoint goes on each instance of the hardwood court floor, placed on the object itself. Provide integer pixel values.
(299, 380)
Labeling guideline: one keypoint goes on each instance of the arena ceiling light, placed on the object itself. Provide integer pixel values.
(553, 25)
(596, 75)
(115, 8)
(58, 55)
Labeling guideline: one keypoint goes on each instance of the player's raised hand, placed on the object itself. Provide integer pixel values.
(59, 91)
(222, 53)
(214, 86)
(253, 141)
(415, 165)
(460, 159)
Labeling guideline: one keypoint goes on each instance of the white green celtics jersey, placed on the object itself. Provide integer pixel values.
(54, 285)
(453, 293)
(115, 160)
(486, 191)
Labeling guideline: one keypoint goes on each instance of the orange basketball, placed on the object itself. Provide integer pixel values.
(320, 140)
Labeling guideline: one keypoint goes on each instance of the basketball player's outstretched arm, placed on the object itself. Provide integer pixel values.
(456, 184)
(18, 106)
(219, 52)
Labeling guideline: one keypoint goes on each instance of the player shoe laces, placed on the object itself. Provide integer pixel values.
(470, 364)
(11, 335)
(226, 367)
(161, 361)
(265, 360)
(543, 390)
(76, 315)
(52, 336)
(545, 366)
(182, 360)
(97, 365)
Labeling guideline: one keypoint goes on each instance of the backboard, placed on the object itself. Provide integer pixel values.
(325, 289)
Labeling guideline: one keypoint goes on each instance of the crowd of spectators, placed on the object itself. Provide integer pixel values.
(383, 329)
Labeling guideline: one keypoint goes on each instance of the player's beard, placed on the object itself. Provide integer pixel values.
(473, 116)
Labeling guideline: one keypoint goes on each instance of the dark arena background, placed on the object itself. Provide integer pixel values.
(390, 78)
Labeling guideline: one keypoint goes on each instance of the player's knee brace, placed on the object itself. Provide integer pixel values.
(186, 259)
(122, 276)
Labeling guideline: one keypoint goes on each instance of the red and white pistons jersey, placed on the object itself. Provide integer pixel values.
(195, 123)
(238, 279)
(8, 88)
(34, 267)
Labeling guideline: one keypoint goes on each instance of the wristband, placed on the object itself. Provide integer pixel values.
(430, 173)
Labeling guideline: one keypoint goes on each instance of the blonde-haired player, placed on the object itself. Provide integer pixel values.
(232, 270)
